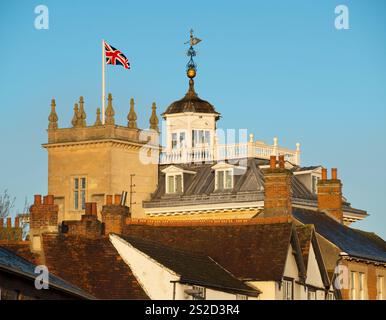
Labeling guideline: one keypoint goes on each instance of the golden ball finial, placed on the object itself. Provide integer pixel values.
(191, 73)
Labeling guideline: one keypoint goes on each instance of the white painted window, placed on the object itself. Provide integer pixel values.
(224, 179)
(79, 192)
(200, 138)
(361, 286)
(311, 295)
(178, 140)
(353, 285)
(174, 183)
(380, 285)
(330, 296)
(314, 182)
(200, 293)
(287, 289)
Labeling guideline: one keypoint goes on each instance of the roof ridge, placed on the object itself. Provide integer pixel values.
(209, 223)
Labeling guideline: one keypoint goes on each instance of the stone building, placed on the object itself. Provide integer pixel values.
(220, 220)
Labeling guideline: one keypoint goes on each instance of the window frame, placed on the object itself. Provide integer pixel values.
(284, 284)
(224, 180)
(179, 141)
(79, 193)
(380, 287)
(314, 183)
(361, 282)
(201, 134)
(353, 285)
(174, 176)
(202, 294)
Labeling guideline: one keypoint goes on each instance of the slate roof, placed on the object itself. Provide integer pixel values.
(354, 242)
(11, 262)
(201, 186)
(192, 268)
(92, 264)
(250, 252)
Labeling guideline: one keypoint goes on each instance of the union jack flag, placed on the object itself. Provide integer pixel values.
(115, 57)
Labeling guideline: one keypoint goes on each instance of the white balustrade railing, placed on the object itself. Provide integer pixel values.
(227, 152)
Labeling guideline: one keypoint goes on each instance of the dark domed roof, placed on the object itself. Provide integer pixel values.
(191, 103)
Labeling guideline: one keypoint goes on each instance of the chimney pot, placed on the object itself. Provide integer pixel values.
(37, 199)
(88, 208)
(109, 199)
(272, 162)
(17, 223)
(281, 162)
(50, 199)
(9, 223)
(324, 174)
(117, 199)
(94, 208)
(334, 173)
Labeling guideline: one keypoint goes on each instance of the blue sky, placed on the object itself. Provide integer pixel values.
(277, 68)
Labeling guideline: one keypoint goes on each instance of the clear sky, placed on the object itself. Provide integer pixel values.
(277, 68)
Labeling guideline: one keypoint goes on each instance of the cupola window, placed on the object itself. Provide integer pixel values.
(178, 140)
(200, 138)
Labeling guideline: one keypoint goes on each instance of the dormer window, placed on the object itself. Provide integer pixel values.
(224, 179)
(225, 173)
(314, 184)
(174, 183)
(174, 179)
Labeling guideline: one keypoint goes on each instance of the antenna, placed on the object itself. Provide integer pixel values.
(131, 191)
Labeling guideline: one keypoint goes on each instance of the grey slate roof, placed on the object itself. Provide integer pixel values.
(201, 186)
(192, 268)
(11, 262)
(354, 242)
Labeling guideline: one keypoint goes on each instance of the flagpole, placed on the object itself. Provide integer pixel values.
(103, 82)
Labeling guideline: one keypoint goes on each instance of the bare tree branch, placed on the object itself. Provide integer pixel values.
(6, 204)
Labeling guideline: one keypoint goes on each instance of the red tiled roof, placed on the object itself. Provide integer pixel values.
(92, 264)
(249, 251)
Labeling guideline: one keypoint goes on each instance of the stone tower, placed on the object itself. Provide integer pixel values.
(88, 162)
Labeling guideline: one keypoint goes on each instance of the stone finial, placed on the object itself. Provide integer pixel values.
(154, 119)
(132, 116)
(75, 118)
(109, 110)
(82, 113)
(53, 117)
(98, 121)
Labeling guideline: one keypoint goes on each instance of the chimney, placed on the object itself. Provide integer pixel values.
(114, 216)
(277, 189)
(330, 195)
(43, 219)
(10, 233)
(88, 227)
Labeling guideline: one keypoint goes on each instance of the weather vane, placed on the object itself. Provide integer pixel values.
(191, 66)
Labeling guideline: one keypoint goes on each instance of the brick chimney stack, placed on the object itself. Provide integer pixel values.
(10, 233)
(330, 195)
(277, 189)
(43, 219)
(88, 226)
(114, 215)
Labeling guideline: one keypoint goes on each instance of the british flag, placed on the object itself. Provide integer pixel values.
(115, 57)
